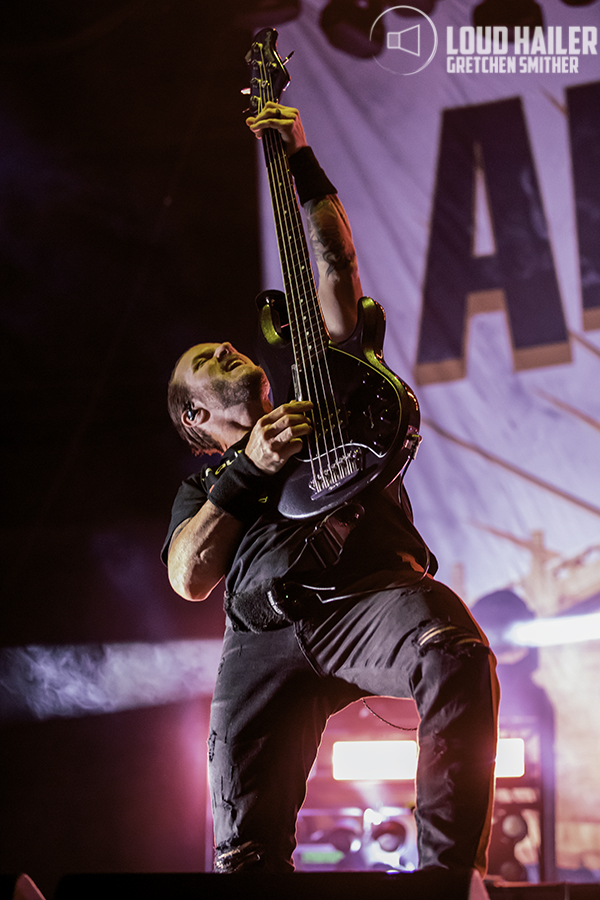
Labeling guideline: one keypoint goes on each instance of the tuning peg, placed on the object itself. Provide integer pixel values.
(287, 59)
(245, 91)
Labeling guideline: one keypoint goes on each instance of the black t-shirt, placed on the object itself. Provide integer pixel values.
(374, 556)
(376, 553)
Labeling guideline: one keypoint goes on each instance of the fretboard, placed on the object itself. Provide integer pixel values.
(307, 329)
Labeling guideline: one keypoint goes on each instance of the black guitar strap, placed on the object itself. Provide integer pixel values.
(324, 546)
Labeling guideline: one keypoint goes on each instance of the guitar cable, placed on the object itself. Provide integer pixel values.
(387, 721)
(425, 571)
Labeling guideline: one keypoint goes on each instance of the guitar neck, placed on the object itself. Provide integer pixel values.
(309, 335)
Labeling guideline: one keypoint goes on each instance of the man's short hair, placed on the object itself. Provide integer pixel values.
(180, 401)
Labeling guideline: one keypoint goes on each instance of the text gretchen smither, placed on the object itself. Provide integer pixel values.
(551, 50)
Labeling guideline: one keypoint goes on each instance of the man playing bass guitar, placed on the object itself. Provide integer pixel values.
(320, 612)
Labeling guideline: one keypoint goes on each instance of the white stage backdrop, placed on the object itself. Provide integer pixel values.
(474, 199)
(528, 416)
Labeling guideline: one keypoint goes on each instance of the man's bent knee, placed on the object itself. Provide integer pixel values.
(453, 639)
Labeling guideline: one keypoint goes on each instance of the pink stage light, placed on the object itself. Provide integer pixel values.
(397, 760)
(510, 759)
(374, 760)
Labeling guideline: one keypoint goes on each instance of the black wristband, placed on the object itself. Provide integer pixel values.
(241, 489)
(311, 180)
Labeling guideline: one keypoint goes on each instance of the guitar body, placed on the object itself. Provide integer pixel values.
(377, 411)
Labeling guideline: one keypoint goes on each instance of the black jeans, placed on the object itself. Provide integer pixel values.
(276, 690)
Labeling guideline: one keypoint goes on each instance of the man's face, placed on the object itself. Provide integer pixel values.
(220, 377)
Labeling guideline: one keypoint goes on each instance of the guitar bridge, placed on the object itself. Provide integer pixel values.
(346, 465)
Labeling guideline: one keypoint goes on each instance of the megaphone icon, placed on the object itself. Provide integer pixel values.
(409, 40)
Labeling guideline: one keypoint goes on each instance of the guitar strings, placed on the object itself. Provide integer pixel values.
(316, 368)
(280, 183)
(292, 251)
(276, 181)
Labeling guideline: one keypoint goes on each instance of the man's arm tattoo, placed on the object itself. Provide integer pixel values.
(330, 234)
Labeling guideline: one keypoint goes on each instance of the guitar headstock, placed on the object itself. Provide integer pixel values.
(269, 76)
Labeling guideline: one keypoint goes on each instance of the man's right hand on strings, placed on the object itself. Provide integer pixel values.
(278, 435)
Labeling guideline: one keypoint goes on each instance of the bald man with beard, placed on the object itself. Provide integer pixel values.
(373, 621)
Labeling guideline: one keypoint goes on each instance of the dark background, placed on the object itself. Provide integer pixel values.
(128, 231)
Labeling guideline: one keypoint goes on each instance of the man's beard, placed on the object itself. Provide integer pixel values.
(250, 387)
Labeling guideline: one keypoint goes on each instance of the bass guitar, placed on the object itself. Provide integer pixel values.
(365, 419)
